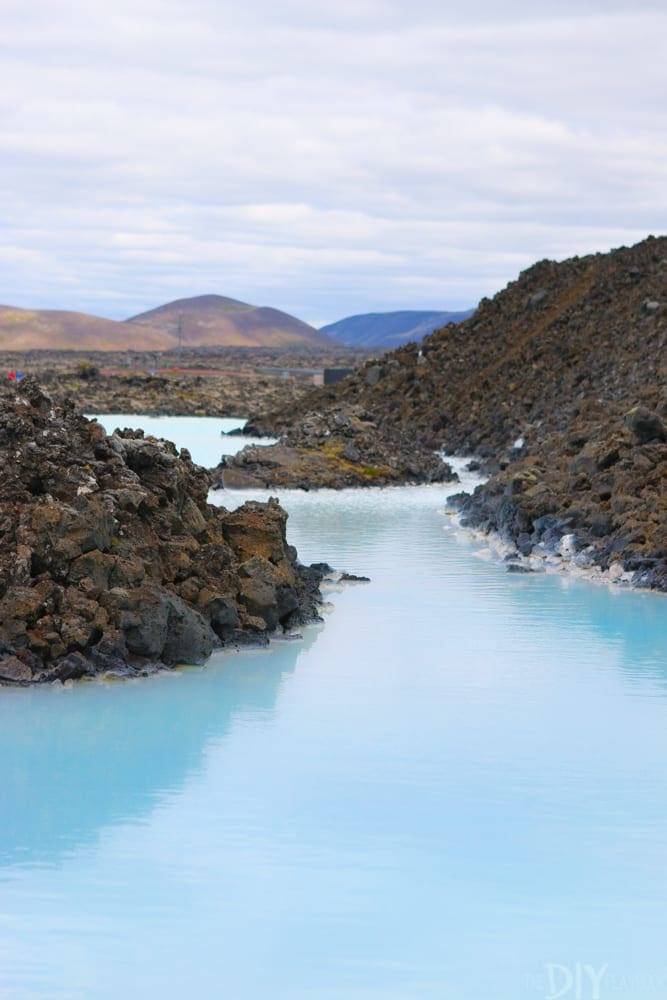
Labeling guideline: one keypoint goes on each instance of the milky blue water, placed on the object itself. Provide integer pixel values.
(203, 436)
(454, 788)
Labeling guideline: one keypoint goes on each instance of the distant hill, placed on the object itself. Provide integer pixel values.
(204, 321)
(390, 329)
(29, 330)
(213, 320)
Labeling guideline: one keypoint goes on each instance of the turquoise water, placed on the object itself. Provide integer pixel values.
(454, 789)
(203, 436)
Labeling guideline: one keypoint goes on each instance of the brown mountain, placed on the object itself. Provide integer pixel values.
(203, 321)
(213, 320)
(54, 329)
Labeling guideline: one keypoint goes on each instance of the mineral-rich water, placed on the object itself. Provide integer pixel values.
(454, 788)
(204, 437)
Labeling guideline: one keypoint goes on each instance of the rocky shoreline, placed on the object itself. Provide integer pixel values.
(113, 563)
(585, 506)
(558, 385)
(339, 447)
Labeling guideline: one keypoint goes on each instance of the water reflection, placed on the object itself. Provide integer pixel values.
(631, 623)
(457, 786)
(75, 761)
(379, 532)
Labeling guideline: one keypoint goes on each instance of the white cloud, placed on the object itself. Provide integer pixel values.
(327, 160)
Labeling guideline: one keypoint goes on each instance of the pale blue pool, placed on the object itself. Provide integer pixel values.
(455, 789)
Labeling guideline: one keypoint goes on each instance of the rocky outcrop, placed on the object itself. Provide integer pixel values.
(112, 560)
(557, 386)
(599, 500)
(335, 447)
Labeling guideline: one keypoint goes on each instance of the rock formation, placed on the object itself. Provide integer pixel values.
(111, 560)
(558, 385)
(336, 447)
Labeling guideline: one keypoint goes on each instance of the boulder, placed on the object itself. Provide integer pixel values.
(645, 425)
(14, 670)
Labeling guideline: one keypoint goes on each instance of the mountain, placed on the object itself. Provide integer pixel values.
(204, 321)
(213, 320)
(38, 329)
(390, 329)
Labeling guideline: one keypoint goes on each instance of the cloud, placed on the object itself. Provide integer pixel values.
(372, 155)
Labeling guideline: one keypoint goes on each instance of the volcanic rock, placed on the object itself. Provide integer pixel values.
(112, 560)
(336, 447)
(645, 425)
(570, 360)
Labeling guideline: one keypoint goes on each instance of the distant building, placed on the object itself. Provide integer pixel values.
(333, 375)
(318, 376)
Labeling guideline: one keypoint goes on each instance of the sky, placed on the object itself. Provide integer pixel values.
(325, 159)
